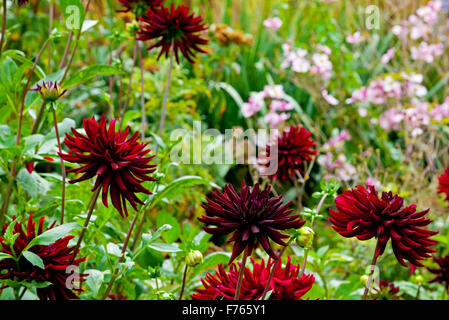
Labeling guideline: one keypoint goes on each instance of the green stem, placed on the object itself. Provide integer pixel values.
(183, 282)
(142, 97)
(125, 106)
(371, 273)
(125, 245)
(63, 172)
(2, 39)
(92, 203)
(241, 273)
(164, 102)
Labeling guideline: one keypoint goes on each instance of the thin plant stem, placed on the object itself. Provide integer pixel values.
(63, 172)
(50, 27)
(125, 106)
(125, 245)
(2, 39)
(273, 268)
(19, 130)
(371, 273)
(142, 222)
(164, 101)
(183, 282)
(38, 118)
(304, 262)
(241, 273)
(142, 89)
(92, 203)
(66, 50)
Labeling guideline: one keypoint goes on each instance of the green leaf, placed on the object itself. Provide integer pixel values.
(164, 247)
(176, 187)
(32, 183)
(94, 280)
(89, 73)
(322, 251)
(73, 11)
(212, 260)
(5, 256)
(50, 236)
(165, 218)
(34, 259)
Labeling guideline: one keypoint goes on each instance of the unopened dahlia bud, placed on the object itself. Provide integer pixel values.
(49, 91)
(194, 258)
(305, 238)
(364, 279)
(418, 279)
(132, 27)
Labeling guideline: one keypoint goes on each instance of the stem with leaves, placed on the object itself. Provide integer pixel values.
(19, 130)
(142, 96)
(125, 246)
(92, 203)
(63, 172)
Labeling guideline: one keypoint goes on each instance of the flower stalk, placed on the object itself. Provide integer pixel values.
(371, 273)
(241, 273)
(2, 37)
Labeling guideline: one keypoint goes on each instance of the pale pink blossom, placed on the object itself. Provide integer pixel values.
(274, 119)
(280, 105)
(388, 55)
(355, 38)
(273, 92)
(329, 98)
(273, 23)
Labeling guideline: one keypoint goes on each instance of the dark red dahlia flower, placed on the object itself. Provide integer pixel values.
(385, 291)
(121, 164)
(253, 217)
(139, 7)
(362, 214)
(443, 183)
(285, 284)
(57, 258)
(175, 27)
(442, 272)
(295, 147)
(22, 2)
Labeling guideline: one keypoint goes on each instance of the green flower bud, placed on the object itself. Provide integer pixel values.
(364, 279)
(194, 258)
(418, 279)
(132, 27)
(305, 237)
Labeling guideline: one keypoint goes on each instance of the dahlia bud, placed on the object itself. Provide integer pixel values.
(194, 258)
(364, 279)
(418, 279)
(49, 91)
(305, 237)
(132, 27)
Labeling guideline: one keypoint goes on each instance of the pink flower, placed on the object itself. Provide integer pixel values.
(427, 52)
(274, 119)
(355, 38)
(388, 56)
(280, 105)
(329, 98)
(324, 49)
(273, 92)
(300, 65)
(253, 105)
(272, 23)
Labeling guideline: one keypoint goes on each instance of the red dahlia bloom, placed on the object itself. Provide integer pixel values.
(285, 284)
(362, 214)
(253, 217)
(57, 258)
(121, 164)
(22, 2)
(139, 7)
(175, 27)
(295, 147)
(443, 183)
(442, 272)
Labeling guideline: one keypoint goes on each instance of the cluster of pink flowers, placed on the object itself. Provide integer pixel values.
(420, 26)
(334, 159)
(414, 118)
(427, 52)
(355, 38)
(380, 90)
(272, 23)
(299, 61)
(273, 97)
